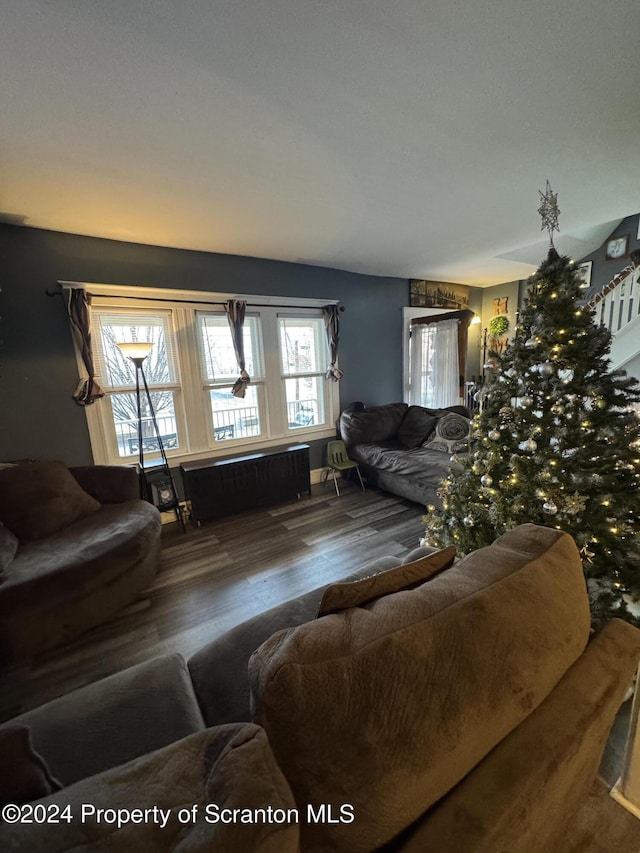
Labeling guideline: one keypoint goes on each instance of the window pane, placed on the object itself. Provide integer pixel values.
(305, 401)
(302, 345)
(218, 357)
(125, 419)
(234, 417)
(117, 371)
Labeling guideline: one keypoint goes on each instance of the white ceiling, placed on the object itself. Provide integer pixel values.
(396, 137)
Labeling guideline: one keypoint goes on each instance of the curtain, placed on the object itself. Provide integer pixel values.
(79, 309)
(332, 325)
(434, 321)
(235, 310)
(446, 369)
(434, 365)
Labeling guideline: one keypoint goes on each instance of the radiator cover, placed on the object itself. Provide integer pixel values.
(222, 486)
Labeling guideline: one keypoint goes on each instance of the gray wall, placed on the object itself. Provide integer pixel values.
(603, 271)
(38, 418)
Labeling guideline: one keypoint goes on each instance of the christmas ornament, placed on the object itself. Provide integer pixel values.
(494, 435)
(506, 412)
(557, 409)
(600, 402)
(486, 480)
(574, 504)
(530, 446)
(550, 507)
(527, 400)
(468, 521)
(547, 369)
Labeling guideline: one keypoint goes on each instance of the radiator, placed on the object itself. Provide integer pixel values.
(222, 486)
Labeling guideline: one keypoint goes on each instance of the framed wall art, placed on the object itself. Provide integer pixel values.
(438, 294)
(583, 272)
(617, 248)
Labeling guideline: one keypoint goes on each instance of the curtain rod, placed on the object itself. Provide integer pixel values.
(61, 288)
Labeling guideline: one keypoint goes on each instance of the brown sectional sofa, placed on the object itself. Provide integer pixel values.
(466, 713)
(398, 447)
(85, 546)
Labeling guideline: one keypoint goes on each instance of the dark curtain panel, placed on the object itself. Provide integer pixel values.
(79, 308)
(332, 325)
(464, 318)
(235, 310)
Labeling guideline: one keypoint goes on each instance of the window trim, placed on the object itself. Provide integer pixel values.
(191, 393)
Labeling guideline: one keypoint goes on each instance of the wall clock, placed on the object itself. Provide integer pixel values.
(617, 248)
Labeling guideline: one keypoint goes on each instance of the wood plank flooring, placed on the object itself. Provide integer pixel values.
(220, 574)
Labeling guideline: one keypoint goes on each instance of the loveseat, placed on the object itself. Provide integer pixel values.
(436, 706)
(405, 449)
(76, 545)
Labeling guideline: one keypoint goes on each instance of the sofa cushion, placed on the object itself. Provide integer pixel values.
(416, 426)
(116, 719)
(344, 691)
(340, 596)
(207, 774)
(41, 498)
(8, 546)
(25, 775)
(379, 423)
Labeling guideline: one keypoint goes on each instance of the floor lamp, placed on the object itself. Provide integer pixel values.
(160, 483)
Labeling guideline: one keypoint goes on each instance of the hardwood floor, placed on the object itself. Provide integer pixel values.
(220, 574)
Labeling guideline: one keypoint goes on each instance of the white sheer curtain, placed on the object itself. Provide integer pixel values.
(434, 365)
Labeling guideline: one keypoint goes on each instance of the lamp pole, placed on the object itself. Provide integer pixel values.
(137, 352)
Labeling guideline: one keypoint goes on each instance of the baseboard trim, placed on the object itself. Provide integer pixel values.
(616, 794)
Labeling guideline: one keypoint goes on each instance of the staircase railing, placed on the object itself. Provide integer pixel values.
(618, 303)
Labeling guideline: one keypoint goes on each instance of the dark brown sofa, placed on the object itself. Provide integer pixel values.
(65, 577)
(399, 448)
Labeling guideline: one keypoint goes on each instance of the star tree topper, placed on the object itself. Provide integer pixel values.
(549, 211)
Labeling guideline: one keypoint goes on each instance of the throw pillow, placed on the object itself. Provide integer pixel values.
(452, 427)
(25, 775)
(444, 446)
(340, 596)
(40, 498)
(379, 423)
(8, 546)
(417, 425)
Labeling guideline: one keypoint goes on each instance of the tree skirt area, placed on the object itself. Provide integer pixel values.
(601, 826)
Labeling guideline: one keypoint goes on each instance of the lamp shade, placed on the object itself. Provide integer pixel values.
(136, 351)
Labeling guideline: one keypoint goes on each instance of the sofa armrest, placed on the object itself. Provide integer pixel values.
(115, 720)
(109, 484)
(524, 794)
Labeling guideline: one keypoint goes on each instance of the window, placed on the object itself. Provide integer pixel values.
(119, 377)
(231, 417)
(190, 373)
(302, 345)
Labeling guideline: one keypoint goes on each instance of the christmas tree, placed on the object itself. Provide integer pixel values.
(555, 443)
